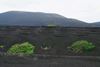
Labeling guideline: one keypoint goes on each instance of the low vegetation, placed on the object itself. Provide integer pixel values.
(27, 49)
(1, 46)
(81, 46)
(21, 49)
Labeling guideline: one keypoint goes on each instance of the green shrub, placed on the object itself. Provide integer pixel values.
(21, 49)
(1, 46)
(81, 46)
(51, 25)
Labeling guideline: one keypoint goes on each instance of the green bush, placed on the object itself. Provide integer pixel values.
(81, 46)
(21, 49)
(51, 25)
(1, 46)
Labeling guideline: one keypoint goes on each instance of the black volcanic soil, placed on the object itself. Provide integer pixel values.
(57, 38)
(49, 62)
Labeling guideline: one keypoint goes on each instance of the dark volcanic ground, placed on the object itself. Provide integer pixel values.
(56, 38)
(49, 62)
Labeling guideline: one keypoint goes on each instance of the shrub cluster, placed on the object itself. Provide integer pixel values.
(21, 49)
(81, 46)
(27, 48)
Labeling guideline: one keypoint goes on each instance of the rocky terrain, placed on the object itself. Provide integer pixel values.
(57, 38)
(49, 62)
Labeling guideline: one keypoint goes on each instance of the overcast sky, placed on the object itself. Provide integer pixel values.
(85, 10)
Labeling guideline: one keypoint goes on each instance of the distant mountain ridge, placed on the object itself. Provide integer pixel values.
(22, 18)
